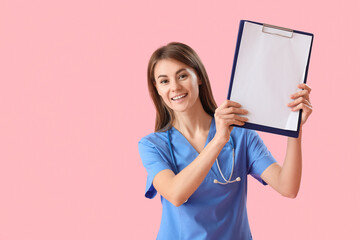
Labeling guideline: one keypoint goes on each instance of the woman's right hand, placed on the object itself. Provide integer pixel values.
(225, 116)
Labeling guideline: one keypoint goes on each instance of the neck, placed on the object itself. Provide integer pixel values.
(193, 121)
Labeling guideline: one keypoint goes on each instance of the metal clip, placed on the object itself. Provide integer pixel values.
(275, 30)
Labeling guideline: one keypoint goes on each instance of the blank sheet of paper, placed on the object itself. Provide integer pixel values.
(268, 69)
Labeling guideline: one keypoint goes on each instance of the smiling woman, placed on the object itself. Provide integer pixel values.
(178, 87)
(194, 145)
(183, 60)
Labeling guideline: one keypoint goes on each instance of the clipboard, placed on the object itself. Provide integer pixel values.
(268, 65)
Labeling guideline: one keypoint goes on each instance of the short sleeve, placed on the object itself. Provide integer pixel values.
(258, 156)
(153, 163)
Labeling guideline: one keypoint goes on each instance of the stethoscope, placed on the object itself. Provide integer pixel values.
(217, 163)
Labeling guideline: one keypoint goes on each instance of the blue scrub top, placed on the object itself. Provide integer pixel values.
(213, 211)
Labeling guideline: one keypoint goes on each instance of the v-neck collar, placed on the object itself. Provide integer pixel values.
(208, 139)
(210, 136)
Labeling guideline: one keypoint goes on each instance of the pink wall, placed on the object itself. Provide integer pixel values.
(74, 103)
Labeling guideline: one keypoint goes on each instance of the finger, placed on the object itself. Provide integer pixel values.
(235, 117)
(235, 122)
(302, 93)
(231, 121)
(301, 106)
(305, 114)
(236, 110)
(307, 111)
(229, 103)
(240, 123)
(298, 101)
(305, 87)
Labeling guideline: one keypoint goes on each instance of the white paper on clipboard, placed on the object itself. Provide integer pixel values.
(268, 69)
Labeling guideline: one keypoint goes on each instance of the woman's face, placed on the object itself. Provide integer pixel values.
(177, 84)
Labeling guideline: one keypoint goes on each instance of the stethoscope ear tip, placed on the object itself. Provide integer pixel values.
(238, 179)
(216, 181)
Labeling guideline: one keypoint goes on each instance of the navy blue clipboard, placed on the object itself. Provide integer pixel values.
(262, 127)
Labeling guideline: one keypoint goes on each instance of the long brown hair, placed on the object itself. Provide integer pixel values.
(185, 54)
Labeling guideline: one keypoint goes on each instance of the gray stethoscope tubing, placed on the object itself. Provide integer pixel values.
(217, 163)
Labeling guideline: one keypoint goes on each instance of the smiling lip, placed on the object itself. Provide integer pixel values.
(178, 97)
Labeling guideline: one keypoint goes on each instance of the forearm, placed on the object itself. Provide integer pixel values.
(286, 179)
(184, 184)
(290, 174)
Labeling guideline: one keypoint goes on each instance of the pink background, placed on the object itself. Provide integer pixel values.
(74, 103)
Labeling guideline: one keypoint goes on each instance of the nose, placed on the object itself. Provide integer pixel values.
(174, 85)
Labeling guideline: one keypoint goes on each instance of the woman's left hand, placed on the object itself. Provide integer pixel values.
(302, 101)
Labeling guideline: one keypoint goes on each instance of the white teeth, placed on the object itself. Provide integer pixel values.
(178, 97)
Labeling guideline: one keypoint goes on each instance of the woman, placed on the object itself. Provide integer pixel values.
(197, 161)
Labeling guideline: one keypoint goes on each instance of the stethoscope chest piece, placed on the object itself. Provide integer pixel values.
(238, 179)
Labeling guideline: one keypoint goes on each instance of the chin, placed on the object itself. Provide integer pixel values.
(183, 107)
(179, 108)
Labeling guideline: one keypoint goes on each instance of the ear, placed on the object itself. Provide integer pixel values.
(199, 81)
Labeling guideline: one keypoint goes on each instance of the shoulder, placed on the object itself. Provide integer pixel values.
(245, 137)
(156, 140)
(240, 133)
(154, 149)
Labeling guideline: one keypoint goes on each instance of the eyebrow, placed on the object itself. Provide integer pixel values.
(182, 69)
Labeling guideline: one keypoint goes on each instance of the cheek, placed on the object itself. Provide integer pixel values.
(162, 94)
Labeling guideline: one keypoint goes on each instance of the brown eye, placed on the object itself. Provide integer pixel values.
(182, 76)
